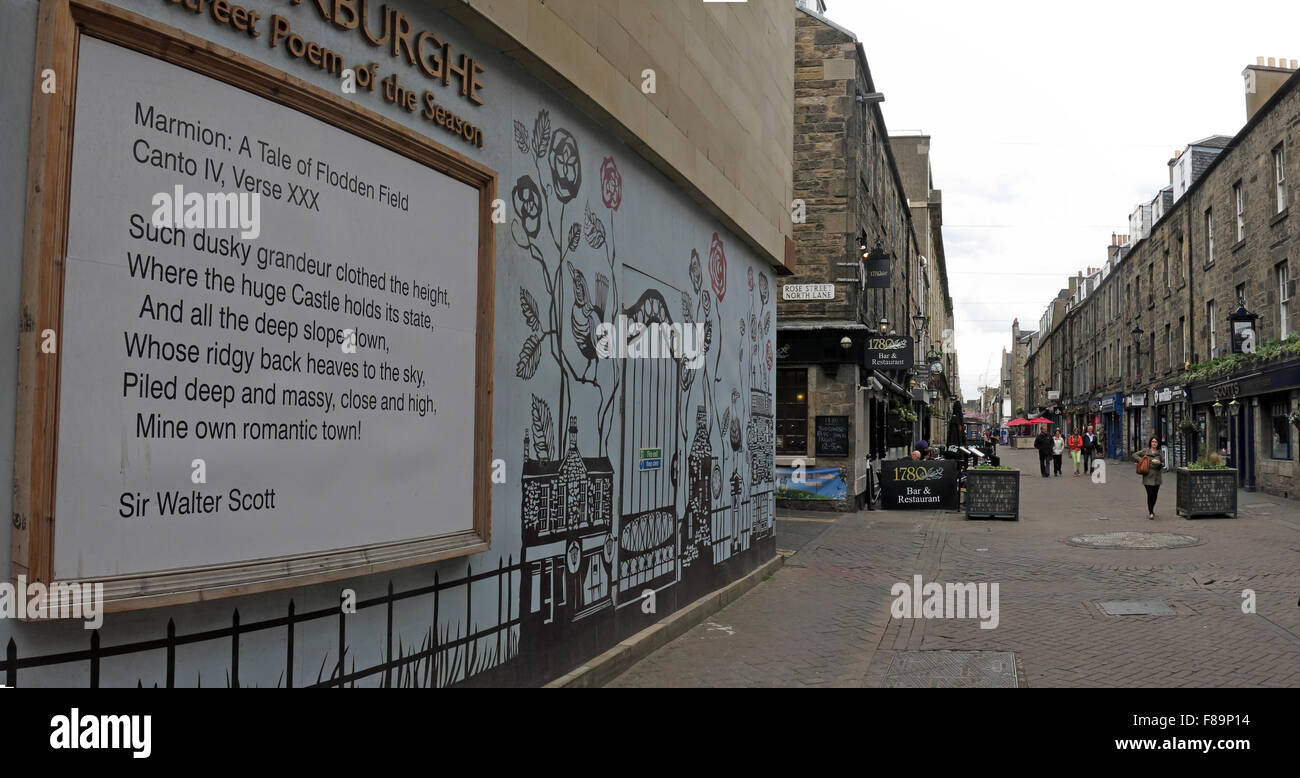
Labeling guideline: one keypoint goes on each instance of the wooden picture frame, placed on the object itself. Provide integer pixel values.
(60, 26)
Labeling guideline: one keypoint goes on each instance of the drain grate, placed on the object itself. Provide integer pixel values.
(1136, 608)
(952, 670)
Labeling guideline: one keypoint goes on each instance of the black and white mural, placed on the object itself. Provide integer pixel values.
(658, 485)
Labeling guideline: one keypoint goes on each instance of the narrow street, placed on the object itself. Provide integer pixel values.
(824, 619)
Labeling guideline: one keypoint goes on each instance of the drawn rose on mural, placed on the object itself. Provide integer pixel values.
(697, 275)
(611, 184)
(527, 201)
(566, 167)
(718, 267)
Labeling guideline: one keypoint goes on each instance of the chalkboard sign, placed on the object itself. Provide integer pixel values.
(993, 493)
(832, 436)
(909, 485)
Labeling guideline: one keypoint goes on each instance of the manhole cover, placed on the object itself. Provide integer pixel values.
(1136, 608)
(952, 670)
(1133, 540)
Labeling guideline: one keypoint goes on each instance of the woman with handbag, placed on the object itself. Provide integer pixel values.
(1149, 465)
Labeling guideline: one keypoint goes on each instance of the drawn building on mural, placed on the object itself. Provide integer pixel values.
(568, 549)
(761, 445)
(699, 483)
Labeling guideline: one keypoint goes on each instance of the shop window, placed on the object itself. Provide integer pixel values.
(1281, 430)
(792, 412)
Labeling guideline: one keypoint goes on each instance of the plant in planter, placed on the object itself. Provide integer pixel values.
(993, 491)
(1207, 487)
(1294, 416)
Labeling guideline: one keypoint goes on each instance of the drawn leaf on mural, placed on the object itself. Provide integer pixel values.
(536, 253)
(767, 322)
(521, 136)
(707, 303)
(529, 306)
(575, 235)
(686, 308)
(602, 293)
(529, 356)
(542, 133)
(725, 423)
(543, 430)
(708, 335)
(595, 230)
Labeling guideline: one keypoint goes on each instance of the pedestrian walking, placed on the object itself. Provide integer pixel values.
(1058, 450)
(1090, 446)
(1044, 445)
(1075, 444)
(1149, 465)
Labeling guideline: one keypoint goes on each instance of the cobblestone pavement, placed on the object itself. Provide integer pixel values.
(824, 619)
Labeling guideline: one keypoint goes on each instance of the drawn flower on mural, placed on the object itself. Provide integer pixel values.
(611, 184)
(566, 167)
(706, 303)
(751, 279)
(718, 267)
(742, 328)
(527, 201)
(762, 286)
(697, 275)
(769, 355)
(753, 327)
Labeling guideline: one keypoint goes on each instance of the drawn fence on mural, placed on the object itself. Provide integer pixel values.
(440, 660)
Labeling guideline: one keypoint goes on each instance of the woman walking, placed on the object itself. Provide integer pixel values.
(1075, 442)
(1151, 478)
(1058, 451)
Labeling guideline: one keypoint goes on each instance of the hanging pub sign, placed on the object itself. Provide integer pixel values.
(877, 268)
(1243, 330)
(907, 484)
(889, 352)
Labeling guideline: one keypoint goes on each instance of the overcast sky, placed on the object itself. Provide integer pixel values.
(1049, 123)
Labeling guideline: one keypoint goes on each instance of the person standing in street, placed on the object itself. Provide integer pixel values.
(1151, 478)
(1075, 444)
(1090, 444)
(1058, 450)
(1044, 445)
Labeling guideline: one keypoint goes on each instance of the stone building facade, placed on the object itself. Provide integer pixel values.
(854, 201)
(1145, 346)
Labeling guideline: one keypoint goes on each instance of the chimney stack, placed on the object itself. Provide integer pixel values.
(1263, 81)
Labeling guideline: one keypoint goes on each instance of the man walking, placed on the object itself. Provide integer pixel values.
(1044, 445)
(1090, 446)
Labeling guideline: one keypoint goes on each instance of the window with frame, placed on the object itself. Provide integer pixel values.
(1279, 177)
(1209, 320)
(1182, 262)
(1209, 236)
(1169, 346)
(1283, 275)
(1239, 197)
(1281, 437)
(1182, 334)
(1167, 272)
(792, 411)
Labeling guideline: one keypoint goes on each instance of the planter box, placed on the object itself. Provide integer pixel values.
(1207, 492)
(993, 494)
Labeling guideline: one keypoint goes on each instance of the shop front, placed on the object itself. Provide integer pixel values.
(1248, 421)
(1136, 426)
(1111, 427)
(1168, 413)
